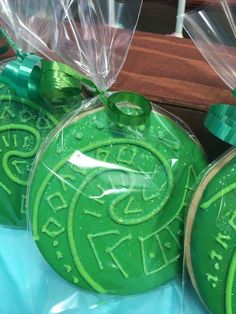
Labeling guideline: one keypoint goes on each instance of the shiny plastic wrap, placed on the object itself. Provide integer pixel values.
(212, 28)
(24, 121)
(211, 221)
(110, 185)
(19, 283)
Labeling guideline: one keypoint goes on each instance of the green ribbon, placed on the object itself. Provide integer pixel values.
(23, 76)
(221, 121)
(59, 81)
(34, 78)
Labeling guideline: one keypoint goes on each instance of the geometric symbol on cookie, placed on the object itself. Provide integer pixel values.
(52, 228)
(127, 155)
(56, 202)
(154, 256)
(19, 166)
(140, 204)
(111, 250)
(6, 113)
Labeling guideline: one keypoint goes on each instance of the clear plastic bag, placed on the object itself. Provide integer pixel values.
(211, 221)
(213, 29)
(110, 185)
(24, 123)
(58, 296)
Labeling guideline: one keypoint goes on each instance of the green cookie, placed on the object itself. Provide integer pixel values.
(107, 202)
(23, 126)
(211, 236)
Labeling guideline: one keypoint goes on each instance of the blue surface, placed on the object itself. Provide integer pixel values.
(29, 286)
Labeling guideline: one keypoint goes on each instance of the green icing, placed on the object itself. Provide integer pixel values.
(23, 126)
(230, 304)
(213, 238)
(107, 202)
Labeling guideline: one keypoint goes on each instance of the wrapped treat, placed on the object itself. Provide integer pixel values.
(23, 283)
(211, 222)
(25, 117)
(110, 186)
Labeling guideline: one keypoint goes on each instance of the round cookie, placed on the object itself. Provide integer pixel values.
(107, 202)
(23, 126)
(211, 236)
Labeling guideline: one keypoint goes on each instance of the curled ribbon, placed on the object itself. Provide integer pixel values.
(23, 76)
(221, 121)
(35, 78)
(60, 81)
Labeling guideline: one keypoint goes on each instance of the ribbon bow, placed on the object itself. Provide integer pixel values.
(34, 78)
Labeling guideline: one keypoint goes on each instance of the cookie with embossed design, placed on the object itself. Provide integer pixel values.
(211, 236)
(23, 126)
(107, 202)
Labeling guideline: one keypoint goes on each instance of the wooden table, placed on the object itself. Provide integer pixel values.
(171, 72)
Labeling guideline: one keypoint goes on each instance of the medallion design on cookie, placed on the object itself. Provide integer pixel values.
(114, 202)
(212, 266)
(23, 126)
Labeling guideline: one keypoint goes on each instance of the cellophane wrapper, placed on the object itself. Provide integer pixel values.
(210, 227)
(106, 201)
(23, 123)
(210, 236)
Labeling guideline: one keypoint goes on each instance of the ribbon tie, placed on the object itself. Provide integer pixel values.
(221, 121)
(35, 78)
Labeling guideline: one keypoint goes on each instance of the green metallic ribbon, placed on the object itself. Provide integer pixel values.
(59, 81)
(34, 78)
(221, 121)
(23, 76)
